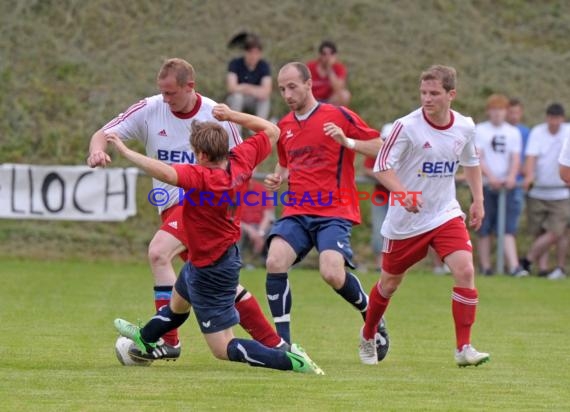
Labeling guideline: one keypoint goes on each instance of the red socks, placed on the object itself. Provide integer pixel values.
(162, 296)
(463, 305)
(255, 323)
(377, 305)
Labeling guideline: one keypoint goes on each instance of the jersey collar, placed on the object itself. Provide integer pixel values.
(445, 127)
(192, 112)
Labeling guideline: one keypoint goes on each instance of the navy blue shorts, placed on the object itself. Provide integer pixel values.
(515, 200)
(211, 290)
(304, 232)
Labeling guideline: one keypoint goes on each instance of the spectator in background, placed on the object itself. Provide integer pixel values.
(378, 206)
(548, 204)
(499, 145)
(249, 80)
(329, 76)
(257, 216)
(515, 114)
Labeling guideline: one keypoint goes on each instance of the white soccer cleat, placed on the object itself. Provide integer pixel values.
(556, 274)
(367, 352)
(469, 356)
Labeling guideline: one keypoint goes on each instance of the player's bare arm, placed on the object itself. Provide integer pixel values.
(223, 113)
(474, 180)
(565, 174)
(366, 147)
(273, 181)
(529, 167)
(97, 150)
(412, 201)
(152, 167)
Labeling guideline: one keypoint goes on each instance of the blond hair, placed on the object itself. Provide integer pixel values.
(182, 70)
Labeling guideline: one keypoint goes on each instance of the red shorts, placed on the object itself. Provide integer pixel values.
(172, 223)
(398, 255)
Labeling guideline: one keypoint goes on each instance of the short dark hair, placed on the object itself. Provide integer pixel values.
(211, 139)
(328, 44)
(252, 41)
(555, 109)
(515, 101)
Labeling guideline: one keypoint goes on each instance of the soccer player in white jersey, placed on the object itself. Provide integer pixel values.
(163, 124)
(499, 145)
(422, 154)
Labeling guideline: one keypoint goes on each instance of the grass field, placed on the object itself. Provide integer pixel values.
(57, 348)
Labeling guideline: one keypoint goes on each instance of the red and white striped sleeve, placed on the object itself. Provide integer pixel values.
(393, 148)
(233, 134)
(131, 123)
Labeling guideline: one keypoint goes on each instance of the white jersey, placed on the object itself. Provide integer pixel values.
(425, 158)
(547, 147)
(166, 135)
(496, 145)
(564, 158)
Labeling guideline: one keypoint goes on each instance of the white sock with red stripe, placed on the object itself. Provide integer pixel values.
(463, 305)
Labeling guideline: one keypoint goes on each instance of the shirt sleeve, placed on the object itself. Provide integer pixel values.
(340, 71)
(265, 69)
(394, 148)
(189, 176)
(251, 152)
(469, 156)
(564, 158)
(533, 144)
(356, 128)
(233, 134)
(516, 144)
(233, 66)
(131, 123)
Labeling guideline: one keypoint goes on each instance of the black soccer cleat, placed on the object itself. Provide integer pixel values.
(382, 340)
(162, 351)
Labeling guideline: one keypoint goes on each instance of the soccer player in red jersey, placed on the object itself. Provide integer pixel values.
(161, 123)
(211, 275)
(316, 151)
(422, 153)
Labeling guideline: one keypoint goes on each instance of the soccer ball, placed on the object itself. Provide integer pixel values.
(122, 346)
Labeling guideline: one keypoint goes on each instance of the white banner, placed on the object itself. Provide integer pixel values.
(67, 192)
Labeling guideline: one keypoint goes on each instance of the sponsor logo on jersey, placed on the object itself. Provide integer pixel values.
(175, 156)
(288, 134)
(438, 169)
(427, 145)
(162, 133)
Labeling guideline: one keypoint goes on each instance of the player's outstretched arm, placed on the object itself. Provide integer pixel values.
(368, 148)
(474, 180)
(97, 150)
(152, 167)
(223, 113)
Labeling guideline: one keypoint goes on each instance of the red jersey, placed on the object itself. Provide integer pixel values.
(319, 167)
(211, 200)
(322, 89)
(252, 210)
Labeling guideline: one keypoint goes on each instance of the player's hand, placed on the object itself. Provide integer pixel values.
(335, 132)
(476, 215)
(272, 182)
(221, 112)
(413, 202)
(98, 158)
(527, 183)
(510, 183)
(117, 142)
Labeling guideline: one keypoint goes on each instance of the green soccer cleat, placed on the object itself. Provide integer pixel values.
(133, 332)
(301, 361)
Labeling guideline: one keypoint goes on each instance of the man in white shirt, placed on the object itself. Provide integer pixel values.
(548, 203)
(163, 123)
(422, 154)
(499, 146)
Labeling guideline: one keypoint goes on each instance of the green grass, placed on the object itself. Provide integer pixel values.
(57, 347)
